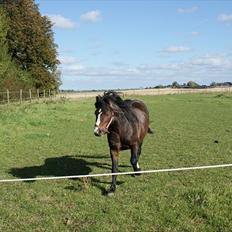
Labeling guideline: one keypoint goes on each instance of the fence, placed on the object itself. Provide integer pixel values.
(36, 94)
(25, 95)
(118, 173)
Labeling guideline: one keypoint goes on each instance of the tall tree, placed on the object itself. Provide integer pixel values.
(11, 77)
(31, 42)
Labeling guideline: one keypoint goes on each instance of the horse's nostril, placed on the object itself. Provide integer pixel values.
(96, 131)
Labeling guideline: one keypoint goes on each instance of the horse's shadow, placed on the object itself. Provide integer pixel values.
(64, 166)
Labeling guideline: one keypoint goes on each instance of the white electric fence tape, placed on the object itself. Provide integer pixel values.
(117, 173)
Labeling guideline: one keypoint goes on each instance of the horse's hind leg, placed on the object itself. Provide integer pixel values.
(135, 153)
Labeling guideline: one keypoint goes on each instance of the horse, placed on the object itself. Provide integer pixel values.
(126, 123)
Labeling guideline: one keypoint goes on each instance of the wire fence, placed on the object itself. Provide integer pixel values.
(7, 97)
(119, 173)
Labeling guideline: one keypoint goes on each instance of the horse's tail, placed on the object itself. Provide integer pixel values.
(150, 131)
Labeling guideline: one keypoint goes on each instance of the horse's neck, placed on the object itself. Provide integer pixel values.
(122, 117)
(120, 120)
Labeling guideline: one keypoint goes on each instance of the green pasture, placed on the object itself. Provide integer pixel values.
(56, 138)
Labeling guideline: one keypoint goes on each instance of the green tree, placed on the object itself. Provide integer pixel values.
(11, 77)
(192, 84)
(31, 42)
(175, 84)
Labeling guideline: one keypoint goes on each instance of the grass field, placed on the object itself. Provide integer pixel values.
(56, 138)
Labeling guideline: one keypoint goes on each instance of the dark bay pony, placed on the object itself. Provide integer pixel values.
(126, 122)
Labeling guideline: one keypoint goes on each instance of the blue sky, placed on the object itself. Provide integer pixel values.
(133, 44)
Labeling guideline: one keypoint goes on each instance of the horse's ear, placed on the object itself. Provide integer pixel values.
(98, 98)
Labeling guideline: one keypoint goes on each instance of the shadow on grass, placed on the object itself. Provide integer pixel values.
(102, 157)
(64, 166)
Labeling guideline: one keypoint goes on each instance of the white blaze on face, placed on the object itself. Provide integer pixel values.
(98, 121)
(98, 118)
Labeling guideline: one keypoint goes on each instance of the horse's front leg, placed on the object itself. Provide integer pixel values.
(114, 153)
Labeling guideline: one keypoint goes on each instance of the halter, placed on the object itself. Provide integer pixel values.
(108, 124)
(112, 118)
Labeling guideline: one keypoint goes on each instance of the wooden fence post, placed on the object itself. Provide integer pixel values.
(21, 96)
(30, 94)
(44, 93)
(38, 93)
(8, 96)
(49, 93)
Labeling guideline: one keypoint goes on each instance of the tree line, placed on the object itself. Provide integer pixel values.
(28, 54)
(194, 85)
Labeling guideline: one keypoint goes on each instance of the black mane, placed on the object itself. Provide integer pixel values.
(112, 96)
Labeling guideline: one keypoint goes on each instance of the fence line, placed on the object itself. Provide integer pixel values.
(25, 95)
(118, 173)
(36, 94)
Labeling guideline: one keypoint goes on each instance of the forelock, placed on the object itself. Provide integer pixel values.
(100, 103)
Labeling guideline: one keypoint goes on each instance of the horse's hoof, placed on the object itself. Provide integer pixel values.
(110, 194)
(137, 174)
(137, 170)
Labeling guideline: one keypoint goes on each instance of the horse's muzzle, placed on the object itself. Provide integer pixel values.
(99, 132)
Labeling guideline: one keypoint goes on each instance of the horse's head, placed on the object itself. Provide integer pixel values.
(104, 115)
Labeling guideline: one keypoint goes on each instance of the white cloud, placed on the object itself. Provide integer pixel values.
(195, 33)
(187, 10)
(207, 63)
(61, 22)
(68, 60)
(91, 16)
(226, 18)
(202, 69)
(177, 49)
(210, 60)
(100, 71)
(76, 68)
(122, 70)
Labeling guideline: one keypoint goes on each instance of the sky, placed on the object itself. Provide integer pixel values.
(136, 44)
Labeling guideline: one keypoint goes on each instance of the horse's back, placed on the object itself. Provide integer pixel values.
(136, 104)
(140, 112)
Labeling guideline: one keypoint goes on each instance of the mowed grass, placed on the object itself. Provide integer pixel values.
(56, 138)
